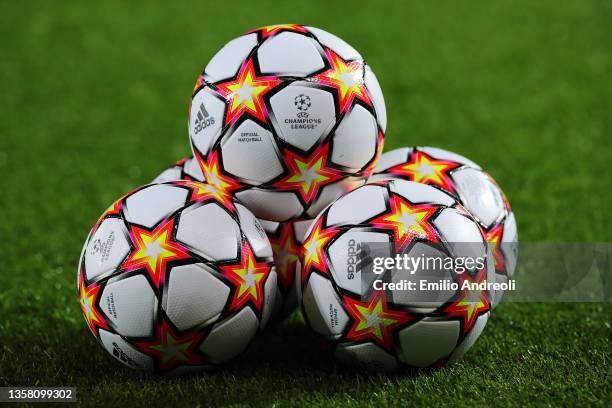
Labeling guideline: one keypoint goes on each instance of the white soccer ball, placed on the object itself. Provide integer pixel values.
(287, 118)
(176, 277)
(390, 329)
(474, 188)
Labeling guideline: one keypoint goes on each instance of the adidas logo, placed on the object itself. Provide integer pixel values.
(203, 119)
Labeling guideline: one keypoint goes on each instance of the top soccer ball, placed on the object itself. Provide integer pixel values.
(287, 118)
(471, 186)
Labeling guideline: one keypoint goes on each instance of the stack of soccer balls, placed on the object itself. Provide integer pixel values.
(286, 125)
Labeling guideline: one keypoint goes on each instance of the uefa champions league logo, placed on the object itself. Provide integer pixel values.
(302, 103)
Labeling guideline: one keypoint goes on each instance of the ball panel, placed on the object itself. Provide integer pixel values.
(255, 233)
(357, 206)
(230, 337)
(331, 192)
(462, 234)
(194, 296)
(427, 341)
(344, 256)
(300, 229)
(338, 45)
(420, 193)
(371, 83)
(366, 355)
(218, 240)
(446, 155)
(167, 199)
(270, 290)
(289, 54)
(225, 63)
(390, 159)
(323, 308)
(355, 139)
(302, 115)
(470, 339)
(510, 244)
(171, 174)
(205, 119)
(130, 304)
(106, 248)
(247, 144)
(271, 205)
(124, 351)
(479, 195)
(192, 168)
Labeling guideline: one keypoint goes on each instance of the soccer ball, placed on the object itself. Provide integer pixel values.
(176, 277)
(383, 329)
(474, 188)
(286, 239)
(185, 169)
(287, 118)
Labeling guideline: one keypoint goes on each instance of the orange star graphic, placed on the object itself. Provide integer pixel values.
(170, 349)
(408, 222)
(286, 251)
(88, 297)
(470, 303)
(244, 95)
(213, 173)
(308, 174)
(248, 276)
(313, 252)
(205, 192)
(422, 168)
(494, 239)
(373, 320)
(270, 30)
(346, 77)
(153, 250)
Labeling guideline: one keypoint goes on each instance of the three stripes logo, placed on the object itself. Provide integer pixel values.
(203, 119)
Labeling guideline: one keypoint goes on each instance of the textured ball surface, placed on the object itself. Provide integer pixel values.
(393, 329)
(176, 277)
(287, 118)
(474, 188)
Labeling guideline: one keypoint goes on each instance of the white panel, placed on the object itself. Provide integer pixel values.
(366, 355)
(271, 205)
(338, 45)
(332, 191)
(270, 226)
(323, 307)
(357, 206)
(446, 155)
(304, 115)
(481, 197)
(124, 351)
(354, 143)
(194, 296)
(193, 169)
(228, 59)
(420, 193)
(392, 158)
(254, 232)
(210, 231)
(270, 291)
(131, 305)
(171, 174)
(371, 82)
(461, 233)
(344, 255)
(205, 119)
(470, 339)
(289, 54)
(249, 152)
(427, 341)
(300, 228)
(106, 248)
(510, 244)
(152, 204)
(230, 337)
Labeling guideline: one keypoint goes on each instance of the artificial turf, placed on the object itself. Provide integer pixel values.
(93, 102)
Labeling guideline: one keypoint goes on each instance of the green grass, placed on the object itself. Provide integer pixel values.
(93, 102)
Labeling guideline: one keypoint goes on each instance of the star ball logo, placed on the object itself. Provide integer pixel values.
(302, 120)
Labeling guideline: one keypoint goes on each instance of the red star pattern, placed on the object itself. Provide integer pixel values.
(248, 276)
(423, 168)
(469, 304)
(170, 349)
(206, 192)
(307, 175)
(374, 320)
(244, 94)
(494, 239)
(88, 299)
(346, 77)
(313, 251)
(213, 173)
(286, 251)
(153, 250)
(408, 222)
(271, 30)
